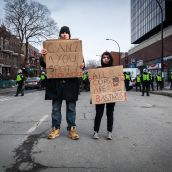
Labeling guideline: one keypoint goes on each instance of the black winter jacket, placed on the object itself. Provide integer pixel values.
(61, 88)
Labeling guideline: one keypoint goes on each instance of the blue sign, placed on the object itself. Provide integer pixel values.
(133, 65)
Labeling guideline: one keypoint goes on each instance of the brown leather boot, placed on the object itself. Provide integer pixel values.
(73, 133)
(54, 133)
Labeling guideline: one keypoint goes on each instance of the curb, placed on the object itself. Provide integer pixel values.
(162, 93)
(6, 91)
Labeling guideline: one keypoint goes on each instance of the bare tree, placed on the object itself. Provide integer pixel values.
(29, 20)
(92, 64)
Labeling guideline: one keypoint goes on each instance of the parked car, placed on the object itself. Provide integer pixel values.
(32, 82)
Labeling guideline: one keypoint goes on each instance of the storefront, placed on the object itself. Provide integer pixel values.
(155, 67)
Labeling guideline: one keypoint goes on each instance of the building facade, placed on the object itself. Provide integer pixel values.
(12, 59)
(116, 58)
(10, 56)
(32, 64)
(146, 17)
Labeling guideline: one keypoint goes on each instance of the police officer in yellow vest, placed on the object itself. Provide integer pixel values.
(20, 83)
(151, 85)
(43, 78)
(127, 80)
(158, 81)
(145, 79)
(85, 80)
(138, 82)
(170, 80)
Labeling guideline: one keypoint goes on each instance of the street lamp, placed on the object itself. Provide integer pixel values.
(118, 47)
(162, 43)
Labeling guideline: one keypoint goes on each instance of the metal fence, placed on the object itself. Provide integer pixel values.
(7, 83)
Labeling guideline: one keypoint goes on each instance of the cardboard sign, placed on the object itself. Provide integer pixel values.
(64, 58)
(107, 85)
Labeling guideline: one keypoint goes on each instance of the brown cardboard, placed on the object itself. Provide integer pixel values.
(63, 58)
(107, 85)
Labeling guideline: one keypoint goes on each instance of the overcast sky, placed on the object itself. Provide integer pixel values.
(92, 21)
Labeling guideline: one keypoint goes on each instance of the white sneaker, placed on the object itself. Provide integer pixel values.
(95, 136)
(109, 135)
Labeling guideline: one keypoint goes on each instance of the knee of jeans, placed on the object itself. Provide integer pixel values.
(71, 108)
(55, 109)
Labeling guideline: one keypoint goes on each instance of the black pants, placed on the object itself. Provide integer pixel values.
(43, 82)
(159, 85)
(151, 86)
(138, 84)
(20, 89)
(99, 114)
(127, 83)
(145, 87)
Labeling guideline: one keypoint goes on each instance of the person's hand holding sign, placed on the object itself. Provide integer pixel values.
(43, 51)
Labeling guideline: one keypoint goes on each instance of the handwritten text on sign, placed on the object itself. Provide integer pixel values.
(64, 58)
(107, 85)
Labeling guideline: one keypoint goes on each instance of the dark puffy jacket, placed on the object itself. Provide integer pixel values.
(61, 88)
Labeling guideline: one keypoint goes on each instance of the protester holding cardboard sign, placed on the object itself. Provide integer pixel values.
(62, 84)
(106, 61)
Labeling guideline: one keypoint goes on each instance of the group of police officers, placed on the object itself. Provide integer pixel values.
(145, 81)
(20, 78)
(84, 82)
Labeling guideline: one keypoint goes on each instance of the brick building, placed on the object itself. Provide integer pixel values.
(11, 59)
(116, 58)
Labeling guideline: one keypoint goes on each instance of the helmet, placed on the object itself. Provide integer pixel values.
(19, 71)
(144, 70)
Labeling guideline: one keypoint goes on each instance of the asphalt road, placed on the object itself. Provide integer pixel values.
(142, 136)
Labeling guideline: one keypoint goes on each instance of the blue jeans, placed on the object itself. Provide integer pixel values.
(57, 116)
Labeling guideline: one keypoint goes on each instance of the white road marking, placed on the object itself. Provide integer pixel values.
(5, 99)
(35, 126)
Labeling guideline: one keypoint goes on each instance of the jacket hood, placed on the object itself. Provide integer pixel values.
(110, 62)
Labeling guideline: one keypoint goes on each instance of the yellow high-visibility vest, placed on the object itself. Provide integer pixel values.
(146, 77)
(127, 77)
(42, 77)
(19, 78)
(138, 79)
(159, 78)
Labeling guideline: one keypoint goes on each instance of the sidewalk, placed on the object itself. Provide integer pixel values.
(8, 90)
(165, 92)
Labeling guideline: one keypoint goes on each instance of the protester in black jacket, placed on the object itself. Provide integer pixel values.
(60, 89)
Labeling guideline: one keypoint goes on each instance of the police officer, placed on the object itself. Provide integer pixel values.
(127, 80)
(43, 80)
(20, 83)
(151, 81)
(170, 79)
(158, 81)
(138, 82)
(86, 80)
(145, 79)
